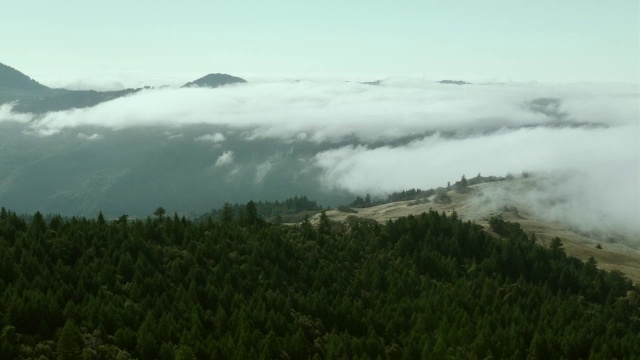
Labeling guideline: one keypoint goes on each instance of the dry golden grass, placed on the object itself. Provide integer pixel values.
(474, 207)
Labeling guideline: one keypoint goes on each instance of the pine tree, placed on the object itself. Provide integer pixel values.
(227, 213)
(70, 341)
(185, 353)
(252, 213)
(8, 342)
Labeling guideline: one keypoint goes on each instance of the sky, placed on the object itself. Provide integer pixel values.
(120, 43)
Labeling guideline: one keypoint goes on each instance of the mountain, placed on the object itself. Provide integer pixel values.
(454, 82)
(13, 79)
(63, 99)
(32, 97)
(214, 81)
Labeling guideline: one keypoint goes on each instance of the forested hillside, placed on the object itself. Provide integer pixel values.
(293, 209)
(428, 286)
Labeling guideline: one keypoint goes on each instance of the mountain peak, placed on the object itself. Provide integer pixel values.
(215, 80)
(454, 82)
(13, 79)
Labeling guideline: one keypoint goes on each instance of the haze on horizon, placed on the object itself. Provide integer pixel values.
(346, 137)
(118, 44)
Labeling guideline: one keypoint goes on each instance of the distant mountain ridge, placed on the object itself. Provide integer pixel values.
(11, 78)
(454, 82)
(29, 96)
(376, 82)
(214, 81)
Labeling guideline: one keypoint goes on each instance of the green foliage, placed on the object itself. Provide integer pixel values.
(442, 198)
(556, 247)
(504, 228)
(418, 194)
(346, 209)
(419, 286)
(8, 343)
(185, 353)
(227, 213)
(160, 212)
(293, 209)
(69, 343)
(412, 194)
(364, 202)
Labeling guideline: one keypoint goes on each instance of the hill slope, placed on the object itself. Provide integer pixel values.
(12, 79)
(479, 205)
(429, 286)
(32, 97)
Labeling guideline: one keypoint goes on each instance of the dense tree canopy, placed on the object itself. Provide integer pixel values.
(428, 286)
(293, 209)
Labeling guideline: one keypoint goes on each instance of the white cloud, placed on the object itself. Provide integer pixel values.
(597, 171)
(214, 138)
(262, 170)
(95, 136)
(7, 114)
(225, 159)
(330, 111)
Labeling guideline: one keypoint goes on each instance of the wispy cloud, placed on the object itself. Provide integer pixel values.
(95, 136)
(225, 159)
(262, 170)
(214, 138)
(7, 114)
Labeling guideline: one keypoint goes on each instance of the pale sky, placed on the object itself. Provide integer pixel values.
(156, 41)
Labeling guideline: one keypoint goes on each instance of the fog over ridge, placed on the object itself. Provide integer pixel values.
(327, 111)
(404, 133)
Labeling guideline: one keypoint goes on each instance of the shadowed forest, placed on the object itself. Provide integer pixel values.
(238, 287)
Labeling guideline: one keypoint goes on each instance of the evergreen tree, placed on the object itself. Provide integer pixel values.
(226, 215)
(427, 285)
(160, 212)
(8, 342)
(185, 353)
(70, 342)
(250, 214)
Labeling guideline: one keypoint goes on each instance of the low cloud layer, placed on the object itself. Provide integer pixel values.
(332, 111)
(7, 115)
(409, 133)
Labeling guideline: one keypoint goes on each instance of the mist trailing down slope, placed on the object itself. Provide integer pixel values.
(186, 148)
(538, 204)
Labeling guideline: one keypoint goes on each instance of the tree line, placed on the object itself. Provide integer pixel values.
(240, 287)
